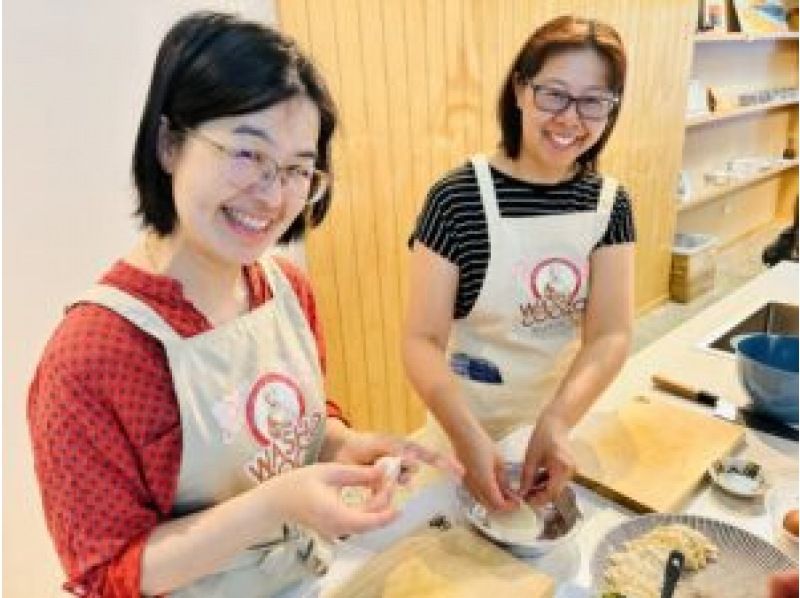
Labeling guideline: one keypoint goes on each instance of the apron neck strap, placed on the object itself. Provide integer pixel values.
(608, 192)
(276, 279)
(480, 164)
(132, 309)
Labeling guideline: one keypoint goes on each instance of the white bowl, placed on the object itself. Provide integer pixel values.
(559, 524)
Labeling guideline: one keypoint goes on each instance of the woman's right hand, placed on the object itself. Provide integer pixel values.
(184, 549)
(312, 497)
(485, 475)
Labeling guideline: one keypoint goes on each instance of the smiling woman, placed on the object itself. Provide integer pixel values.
(230, 195)
(180, 403)
(524, 260)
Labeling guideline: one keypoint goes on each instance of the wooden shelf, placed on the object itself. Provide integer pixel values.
(711, 193)
(695, 121)
(702, 38)
(728, 64)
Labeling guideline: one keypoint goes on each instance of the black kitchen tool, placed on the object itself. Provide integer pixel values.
(672, 572)
(727, 410)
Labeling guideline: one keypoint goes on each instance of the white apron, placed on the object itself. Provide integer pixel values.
(251, 401)
(524, 329)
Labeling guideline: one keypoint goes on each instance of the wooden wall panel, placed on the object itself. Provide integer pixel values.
(416, 82)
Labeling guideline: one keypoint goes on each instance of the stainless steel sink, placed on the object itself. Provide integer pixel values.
(773, 317)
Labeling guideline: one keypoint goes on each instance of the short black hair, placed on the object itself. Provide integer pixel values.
(212, 65)
(561, 34)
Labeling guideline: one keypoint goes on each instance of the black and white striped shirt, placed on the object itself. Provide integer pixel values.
(453, 224)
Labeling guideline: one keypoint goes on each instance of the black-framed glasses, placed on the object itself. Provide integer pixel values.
(244, 168)
(589, 107)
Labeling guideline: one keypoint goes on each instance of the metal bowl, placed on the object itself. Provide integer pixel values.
(768, 369)
(561, 520)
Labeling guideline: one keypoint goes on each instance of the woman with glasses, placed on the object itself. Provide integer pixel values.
(178, 413)
(522, 269)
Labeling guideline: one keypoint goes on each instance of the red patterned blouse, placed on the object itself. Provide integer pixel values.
(105, 427)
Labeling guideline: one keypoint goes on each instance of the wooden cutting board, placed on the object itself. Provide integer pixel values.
(456, 563)
(650, 455)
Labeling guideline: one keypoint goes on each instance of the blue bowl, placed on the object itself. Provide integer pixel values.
(767, 368)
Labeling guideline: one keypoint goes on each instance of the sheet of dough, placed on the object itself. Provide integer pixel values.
(517, 527)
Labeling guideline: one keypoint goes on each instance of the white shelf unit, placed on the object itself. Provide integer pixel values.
(714, 37)
(710, 193)
(739, 62)
(696, 121)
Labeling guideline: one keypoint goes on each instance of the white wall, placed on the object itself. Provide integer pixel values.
(75, 76)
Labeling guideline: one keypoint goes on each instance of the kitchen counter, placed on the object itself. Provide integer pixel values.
(679, 355)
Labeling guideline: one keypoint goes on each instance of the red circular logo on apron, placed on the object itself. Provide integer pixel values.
(558, 275)
(274, 403)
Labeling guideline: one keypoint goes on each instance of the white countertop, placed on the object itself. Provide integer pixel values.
(676, 354)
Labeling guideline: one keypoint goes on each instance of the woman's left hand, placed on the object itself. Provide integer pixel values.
(549, 463)
(365, 448)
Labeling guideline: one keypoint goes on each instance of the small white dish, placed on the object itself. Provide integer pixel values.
(740, 477)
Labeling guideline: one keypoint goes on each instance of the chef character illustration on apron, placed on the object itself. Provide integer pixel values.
(515, 346)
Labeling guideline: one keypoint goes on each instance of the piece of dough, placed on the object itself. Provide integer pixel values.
(520, 526)
(392, 467)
